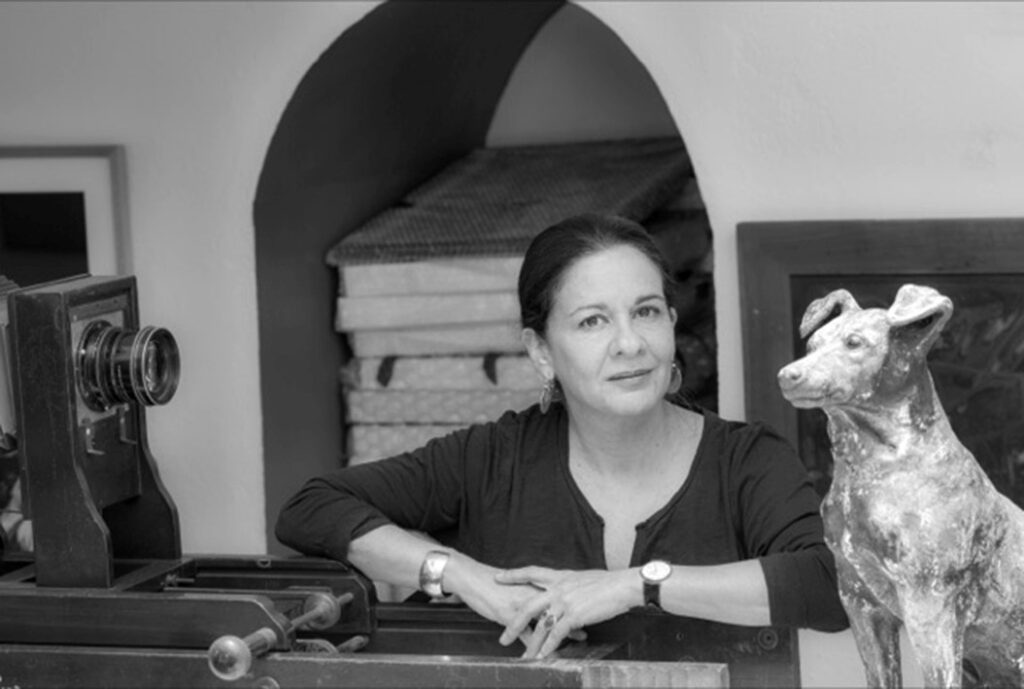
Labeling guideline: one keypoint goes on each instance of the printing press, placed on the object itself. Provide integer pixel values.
(107, 599)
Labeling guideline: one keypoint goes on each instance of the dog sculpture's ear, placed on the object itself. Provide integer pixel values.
(819, 310)
(920, 310)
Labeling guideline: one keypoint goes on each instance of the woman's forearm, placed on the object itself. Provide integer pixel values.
(391, 555)
(734, 593)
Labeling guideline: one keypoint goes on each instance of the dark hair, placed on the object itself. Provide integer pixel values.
(557, 248)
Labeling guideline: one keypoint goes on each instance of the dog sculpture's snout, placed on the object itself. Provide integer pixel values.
(790, 376)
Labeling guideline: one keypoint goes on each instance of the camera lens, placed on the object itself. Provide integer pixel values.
(119, 366)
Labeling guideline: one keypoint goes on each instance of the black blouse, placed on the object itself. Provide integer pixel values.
(502, 493)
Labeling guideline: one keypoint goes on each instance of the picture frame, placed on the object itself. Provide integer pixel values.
(98, 172)
(977, 262)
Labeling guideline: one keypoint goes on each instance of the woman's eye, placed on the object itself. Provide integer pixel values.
(648, 312)
(590, 321)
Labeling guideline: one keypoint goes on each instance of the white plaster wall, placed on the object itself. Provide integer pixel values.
(194, 91)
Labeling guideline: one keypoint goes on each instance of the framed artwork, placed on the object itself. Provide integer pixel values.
(977, 363)
(63, 210)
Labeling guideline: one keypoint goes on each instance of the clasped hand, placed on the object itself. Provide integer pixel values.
(564, 603)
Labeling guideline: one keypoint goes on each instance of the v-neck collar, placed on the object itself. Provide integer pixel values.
(562, 450)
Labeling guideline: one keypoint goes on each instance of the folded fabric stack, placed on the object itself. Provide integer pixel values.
(435, 347)
(430, 307)
(400, 403)
(427, 289)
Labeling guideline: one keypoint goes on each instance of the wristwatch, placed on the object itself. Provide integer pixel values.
(432, 573)
(653, 574)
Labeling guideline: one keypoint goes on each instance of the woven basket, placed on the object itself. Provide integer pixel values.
(494, 201)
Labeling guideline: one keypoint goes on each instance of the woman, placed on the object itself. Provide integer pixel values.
(573, 512)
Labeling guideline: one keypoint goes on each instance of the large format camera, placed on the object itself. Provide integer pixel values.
(83, 370)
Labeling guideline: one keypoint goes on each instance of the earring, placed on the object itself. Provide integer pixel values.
(547, 395)
(675, 381)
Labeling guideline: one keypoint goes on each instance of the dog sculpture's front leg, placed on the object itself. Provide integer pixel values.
(877, 633)
(937, 635)
(875, 629)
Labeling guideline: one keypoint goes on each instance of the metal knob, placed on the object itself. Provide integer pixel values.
(230, 657)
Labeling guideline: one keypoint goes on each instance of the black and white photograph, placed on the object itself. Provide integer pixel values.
(511, 343)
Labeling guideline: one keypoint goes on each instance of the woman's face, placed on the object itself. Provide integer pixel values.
(610, 336)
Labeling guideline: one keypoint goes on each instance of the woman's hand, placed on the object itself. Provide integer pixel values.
(570, 601)
(477, 586)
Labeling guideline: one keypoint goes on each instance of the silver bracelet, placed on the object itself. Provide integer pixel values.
(432, 572)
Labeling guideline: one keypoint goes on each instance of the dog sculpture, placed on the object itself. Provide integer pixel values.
(921, 537)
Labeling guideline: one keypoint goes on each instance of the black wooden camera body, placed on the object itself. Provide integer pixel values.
(82, 372)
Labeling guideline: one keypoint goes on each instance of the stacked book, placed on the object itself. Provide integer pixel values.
(427, 289)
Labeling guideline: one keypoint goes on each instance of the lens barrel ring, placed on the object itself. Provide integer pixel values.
(116, 366)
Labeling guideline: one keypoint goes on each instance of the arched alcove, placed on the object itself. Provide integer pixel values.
(398, 96)
(578, 81)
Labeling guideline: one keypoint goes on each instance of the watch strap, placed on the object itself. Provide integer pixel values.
(652, 594)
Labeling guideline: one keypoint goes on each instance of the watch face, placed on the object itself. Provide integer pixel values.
(656, 570)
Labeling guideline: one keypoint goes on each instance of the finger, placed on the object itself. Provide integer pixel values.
(556, 634)
(545, 624)
(513, 632)
(536, 640)
(558, 629)
(577, 635)
(537, 576)
(551, 644)
(518, 625)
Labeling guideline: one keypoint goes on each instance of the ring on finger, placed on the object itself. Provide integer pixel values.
(548, 620)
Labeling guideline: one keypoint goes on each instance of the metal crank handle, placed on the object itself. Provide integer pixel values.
(320, 611)
(230, 657)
